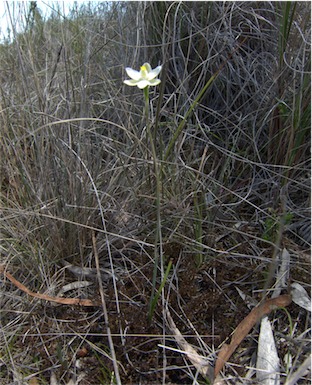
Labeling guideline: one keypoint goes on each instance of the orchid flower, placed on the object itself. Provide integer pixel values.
(143, 78)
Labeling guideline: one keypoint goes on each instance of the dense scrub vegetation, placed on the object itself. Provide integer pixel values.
(230, 126)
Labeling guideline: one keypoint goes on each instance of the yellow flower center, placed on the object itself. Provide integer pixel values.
(143, 72)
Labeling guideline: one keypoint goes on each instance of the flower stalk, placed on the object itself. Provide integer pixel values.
(144, 79)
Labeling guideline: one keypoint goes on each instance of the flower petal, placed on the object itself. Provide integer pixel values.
(143, 83)
(147, 67)
(154, 82)
(131, 82)
(133, 74)
(152, 74)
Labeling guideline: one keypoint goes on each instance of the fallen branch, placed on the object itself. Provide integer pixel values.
(63, 301)
(203, 364)
(246, 325)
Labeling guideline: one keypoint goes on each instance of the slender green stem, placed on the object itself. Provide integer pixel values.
(158, 235)
(148, 129)
(146, 108)
(154, 299)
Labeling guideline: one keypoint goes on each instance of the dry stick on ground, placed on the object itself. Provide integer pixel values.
(246, 325)
(201, 363)
(63, 301)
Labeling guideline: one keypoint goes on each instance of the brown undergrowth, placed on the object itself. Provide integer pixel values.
(80, 209)
(204, 303)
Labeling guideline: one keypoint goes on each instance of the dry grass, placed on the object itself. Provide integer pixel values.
(76, 161)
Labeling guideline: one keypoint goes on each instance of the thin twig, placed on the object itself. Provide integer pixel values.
(63, 301)
(109, 335)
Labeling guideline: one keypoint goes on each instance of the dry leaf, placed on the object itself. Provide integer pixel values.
(53, 380)
(267, 359)
(73, 286)
(282, 275)
(300, 296)
(201, 363)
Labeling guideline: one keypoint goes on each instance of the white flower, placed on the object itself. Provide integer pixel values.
(143, 78)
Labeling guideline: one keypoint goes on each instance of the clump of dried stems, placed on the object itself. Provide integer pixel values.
(230, 123)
